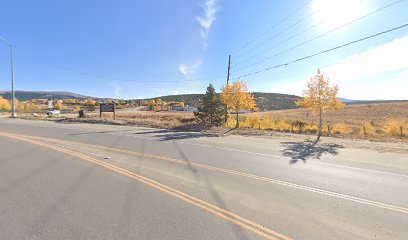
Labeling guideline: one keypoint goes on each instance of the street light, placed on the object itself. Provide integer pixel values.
(13, 108)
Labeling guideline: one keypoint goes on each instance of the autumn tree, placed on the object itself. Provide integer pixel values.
(143, 103)
(237, 98)
(89, 102)
(29, 105)
(152, 104)
(159, 101)
(58, 105)
(76, 109)
(212, 111)
(320, 97)
(70, 101)
(181, 104)
(5, 105)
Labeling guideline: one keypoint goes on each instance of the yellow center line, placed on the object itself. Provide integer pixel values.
(229, 216)
(238, 173)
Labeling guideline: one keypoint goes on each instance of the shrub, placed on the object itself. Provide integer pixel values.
(367, 129)
(231, 122)
(297, 126)
(311, 128)
(267, 123)
(251, 121)
(282, 125)
(76, 109)
(342, 128)
(327, 129)
(394, 127)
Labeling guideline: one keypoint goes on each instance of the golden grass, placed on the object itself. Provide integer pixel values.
(353, 115)
(371, 121)
(158, 119)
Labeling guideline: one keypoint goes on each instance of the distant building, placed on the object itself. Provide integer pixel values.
(190, 109)
(185, 109)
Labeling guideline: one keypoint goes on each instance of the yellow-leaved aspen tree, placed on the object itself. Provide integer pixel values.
(237, 98)
(320, 97)
(181, 104)
(58, 105)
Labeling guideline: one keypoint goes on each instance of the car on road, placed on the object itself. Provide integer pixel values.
(53, 112)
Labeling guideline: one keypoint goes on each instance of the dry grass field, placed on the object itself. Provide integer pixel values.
(352, 115)
(168, 120)
(158, 119)
(382, 122)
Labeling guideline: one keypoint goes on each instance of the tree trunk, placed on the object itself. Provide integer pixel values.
(226, 114)
(319, 133)
(237, 126)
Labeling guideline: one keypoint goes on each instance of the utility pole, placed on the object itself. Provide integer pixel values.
(229, 66)
(13, 106)
(228, 77)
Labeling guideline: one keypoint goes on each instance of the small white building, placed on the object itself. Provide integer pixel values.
(186, 109)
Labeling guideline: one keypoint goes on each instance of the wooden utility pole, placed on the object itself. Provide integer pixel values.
(228, 77)
(229, 66)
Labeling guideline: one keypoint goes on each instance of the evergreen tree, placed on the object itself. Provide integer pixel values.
(212, 112)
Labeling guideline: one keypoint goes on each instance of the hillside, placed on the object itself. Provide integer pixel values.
(264, 101)
(27, 95)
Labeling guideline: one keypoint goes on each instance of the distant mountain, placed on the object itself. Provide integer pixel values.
(27, 95)
(264, 101)
(345, 100)
(374, 101)
(353, 102)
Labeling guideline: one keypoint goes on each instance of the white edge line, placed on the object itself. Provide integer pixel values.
(236, 150)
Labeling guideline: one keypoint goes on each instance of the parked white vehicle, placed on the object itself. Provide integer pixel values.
(53, 112)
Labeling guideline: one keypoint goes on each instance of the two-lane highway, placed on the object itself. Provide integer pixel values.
(80, 181)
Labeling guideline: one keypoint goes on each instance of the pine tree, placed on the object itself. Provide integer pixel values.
(212, 112)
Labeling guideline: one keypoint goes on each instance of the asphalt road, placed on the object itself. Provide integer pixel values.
(85, 181)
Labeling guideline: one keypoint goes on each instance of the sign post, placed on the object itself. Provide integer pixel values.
(107, 107)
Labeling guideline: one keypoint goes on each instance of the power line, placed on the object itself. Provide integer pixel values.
(325, 51)
(321, 35)
(285, 40)
(5, 40)
(136, 80)
(274, 46)
(274, 36)
(271, 28)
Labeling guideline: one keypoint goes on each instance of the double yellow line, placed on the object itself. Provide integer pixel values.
(222, 213)
(238, 173)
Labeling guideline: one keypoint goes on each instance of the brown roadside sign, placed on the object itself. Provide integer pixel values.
(107, 107)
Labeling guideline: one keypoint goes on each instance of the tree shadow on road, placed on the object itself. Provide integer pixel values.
(99, 132)
(168, 135)
(302, 151)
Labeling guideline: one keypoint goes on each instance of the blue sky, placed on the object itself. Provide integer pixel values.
(147, 48)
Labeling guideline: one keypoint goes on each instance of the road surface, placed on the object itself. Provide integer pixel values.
(86, 181)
